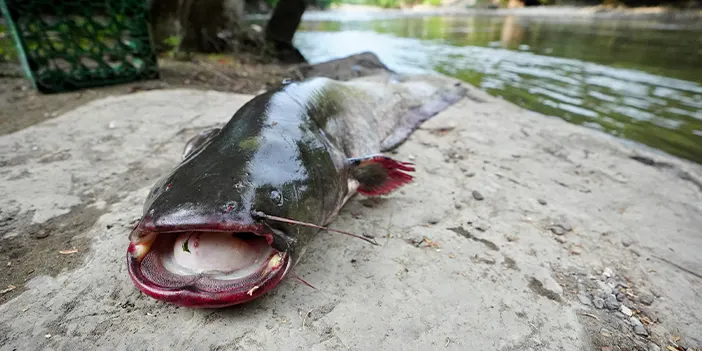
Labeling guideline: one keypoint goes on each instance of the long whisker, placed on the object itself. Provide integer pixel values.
(292, 221)
(302, 280)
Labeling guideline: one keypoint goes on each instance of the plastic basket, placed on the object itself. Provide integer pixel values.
(70, 45)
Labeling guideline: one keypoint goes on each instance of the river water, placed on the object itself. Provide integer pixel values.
(640, 81)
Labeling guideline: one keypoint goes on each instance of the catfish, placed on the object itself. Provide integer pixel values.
(227, 224)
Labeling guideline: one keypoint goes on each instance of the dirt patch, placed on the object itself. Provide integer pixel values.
(538, 287)
(23, 106)
(42, 249)
(463, 232)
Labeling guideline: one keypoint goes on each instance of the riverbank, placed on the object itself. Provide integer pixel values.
(520, 232)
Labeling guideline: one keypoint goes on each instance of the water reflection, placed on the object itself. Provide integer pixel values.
(638, 83)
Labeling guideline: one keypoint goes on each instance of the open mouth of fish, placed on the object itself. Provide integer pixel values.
(202, 267)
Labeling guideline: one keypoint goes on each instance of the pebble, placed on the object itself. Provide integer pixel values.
(626, 311)
(558, 230)
(604, 287)
(457, 206)
(653, 347)
(611, 302)
(560, 239)
(584, 300)
(638, 326)
(542, 201)
(622, 285)
(40, 234)
(646, 299)
(482, 226)
(620, 297)
(478, 196)
(598, 302)
(561, 228)
(626, 242)
(607, 272)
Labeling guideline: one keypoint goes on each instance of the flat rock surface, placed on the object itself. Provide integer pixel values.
(451, 273)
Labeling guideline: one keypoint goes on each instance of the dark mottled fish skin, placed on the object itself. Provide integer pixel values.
(287, 153)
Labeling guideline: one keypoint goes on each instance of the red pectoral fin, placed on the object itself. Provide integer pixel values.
(379, 175)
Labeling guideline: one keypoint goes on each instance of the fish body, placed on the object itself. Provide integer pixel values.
(206, 238)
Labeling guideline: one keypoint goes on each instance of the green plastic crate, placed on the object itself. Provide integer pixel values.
(73, 44)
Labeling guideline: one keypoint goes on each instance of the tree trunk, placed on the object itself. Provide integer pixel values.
(281, 29)
(196, 22)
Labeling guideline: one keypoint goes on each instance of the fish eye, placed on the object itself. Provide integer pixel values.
(277, 197)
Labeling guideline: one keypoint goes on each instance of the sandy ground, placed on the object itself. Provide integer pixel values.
(521, 232)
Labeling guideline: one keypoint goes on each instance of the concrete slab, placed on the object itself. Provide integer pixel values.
(529, 222)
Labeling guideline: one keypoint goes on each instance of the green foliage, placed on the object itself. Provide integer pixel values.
(7, 47)
(173, 45)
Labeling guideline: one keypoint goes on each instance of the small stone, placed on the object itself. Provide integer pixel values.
(542, 201)
(458, 206)
(478, 196)
(626, 242)
(112, 125)
(638, 326)
(626, 311)
(620, 297)
(47, 336)
(611, 302)
(560, 239)
(482, 227)
(558, 230)
(604, 287)
(607, 272)
(598, 302)
(646, 299)
(470, 174)
(622, 285)
(653, 347)
(40, 234)
(584, 300)
(561, 228)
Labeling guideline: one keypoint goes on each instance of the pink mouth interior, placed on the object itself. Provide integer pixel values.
(218, 268)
